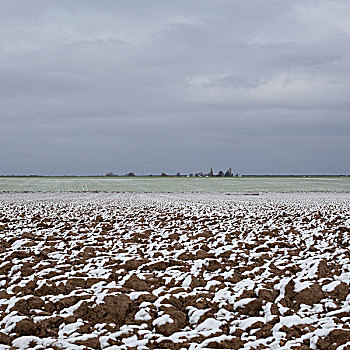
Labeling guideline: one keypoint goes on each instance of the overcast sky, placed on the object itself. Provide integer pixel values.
(147, 86)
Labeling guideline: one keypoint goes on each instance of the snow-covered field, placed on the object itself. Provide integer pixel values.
(174, 184)
(174, 271)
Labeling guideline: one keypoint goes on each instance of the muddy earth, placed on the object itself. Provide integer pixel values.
(174, 271)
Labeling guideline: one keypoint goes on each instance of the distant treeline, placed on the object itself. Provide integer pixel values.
(222, 174)
(293, 175)
(228, 173)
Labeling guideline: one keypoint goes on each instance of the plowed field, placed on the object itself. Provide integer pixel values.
(175, 271)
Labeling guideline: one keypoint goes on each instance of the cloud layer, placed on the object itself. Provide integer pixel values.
(153, 86)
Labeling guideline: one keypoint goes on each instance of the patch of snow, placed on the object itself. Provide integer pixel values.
(330, 286)
(162, 320)
(242, 302)
(210, 324)
(187, 282)
(143, 315)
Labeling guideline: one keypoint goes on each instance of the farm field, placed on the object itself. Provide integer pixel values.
(146, 184)
(174, 271)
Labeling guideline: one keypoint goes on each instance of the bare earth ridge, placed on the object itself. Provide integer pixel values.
(174, 271)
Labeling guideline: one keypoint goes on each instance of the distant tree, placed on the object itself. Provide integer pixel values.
(211, 173)
(109, 174)
(178, 174)
(190, 175)
(163, 174)
(228, 173)
(200, 174)
(221, 174)
(131, 174)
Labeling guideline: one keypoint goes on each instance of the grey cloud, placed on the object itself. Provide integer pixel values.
(168, 86)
